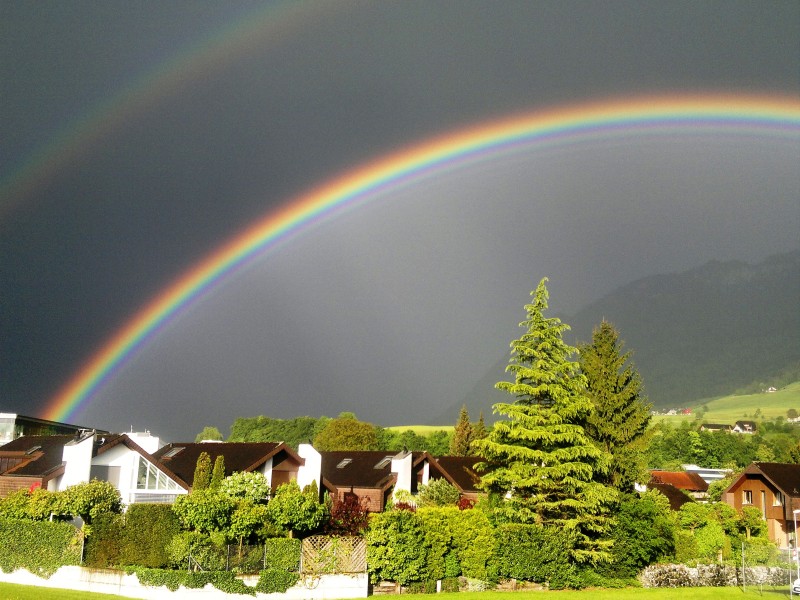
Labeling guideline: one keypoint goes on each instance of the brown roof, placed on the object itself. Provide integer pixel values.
(362, 469)
(461, 471)
(181, 458)
(34, 455)
(676, 497)
(784, 476)
(682, 480)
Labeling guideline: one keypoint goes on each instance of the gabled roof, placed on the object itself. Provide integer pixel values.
(104, 443)
(181, 458)
(784, 476)
(676, 497)
(682, 480)
(361, 469)
(460, 471)
(715, 427)
(745, 425)
(34, 455)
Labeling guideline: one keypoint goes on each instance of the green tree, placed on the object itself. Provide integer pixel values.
(218, 474)
(620, 416)
(438, 492)
(539, 455)
(479, 430)
(93, 498)
(204, 511)
(347, 433)
(462, 435)
(209, 433)
(202, 472)
(297, 511)
(244, 485)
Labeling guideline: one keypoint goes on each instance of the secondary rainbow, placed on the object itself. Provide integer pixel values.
(737, 114)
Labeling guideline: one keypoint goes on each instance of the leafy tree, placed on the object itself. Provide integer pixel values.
(462, 435)
(209, 433)
(244, 485)
(620, 416)
(347, 433)
(439, 492)
(218, 474)
(540, 455)
(349, 516)
(204, 511)
(202, 472)
(791, 413)
(293, 432)
(90, 499)
(297, 511)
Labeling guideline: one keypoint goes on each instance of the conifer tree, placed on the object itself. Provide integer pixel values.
(202, 472)
(218, 474)
(618, 423)
(462, 434)
(538, 459)
(479, 430)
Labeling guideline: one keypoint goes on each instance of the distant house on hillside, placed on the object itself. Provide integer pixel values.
(744, 427)
(773, 488)
(713, 427)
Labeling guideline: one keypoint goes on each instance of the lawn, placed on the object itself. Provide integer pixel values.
(20, 592)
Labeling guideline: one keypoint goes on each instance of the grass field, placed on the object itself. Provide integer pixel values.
(20, 592)
(729, 409)
(424, 430)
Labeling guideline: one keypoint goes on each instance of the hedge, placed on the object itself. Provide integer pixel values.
(282, 554)
(41, 547)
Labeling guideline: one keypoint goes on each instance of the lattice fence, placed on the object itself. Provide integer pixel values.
(333, 555)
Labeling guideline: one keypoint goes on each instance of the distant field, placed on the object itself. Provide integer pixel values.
(729, 409)
(421, 429)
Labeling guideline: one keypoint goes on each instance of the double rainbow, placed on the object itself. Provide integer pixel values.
(745, 115)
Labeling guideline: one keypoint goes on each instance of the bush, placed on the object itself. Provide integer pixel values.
(394, 543)
(272, 581)
(41, 547)
(438, 492)
(148, 530)
(282, 554)
(224, 581)
(103, 544)
(533, 553)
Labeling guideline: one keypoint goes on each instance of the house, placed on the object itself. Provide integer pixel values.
(56, 462)
(773, 488)
(460, 472)
(275, 460)
(690, 483)
(713, 427)
(744, 427)
(13, 426)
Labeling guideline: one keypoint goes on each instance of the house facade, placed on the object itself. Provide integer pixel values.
(774, 489)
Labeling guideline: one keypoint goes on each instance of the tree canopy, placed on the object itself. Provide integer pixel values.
(539, 455)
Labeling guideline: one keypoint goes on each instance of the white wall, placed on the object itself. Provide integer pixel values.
(401, 466)
(78, 459)
(311, 471)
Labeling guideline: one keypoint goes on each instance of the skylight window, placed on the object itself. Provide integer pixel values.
(344, 463)
(173, 452)
(33, 449)
(384, 462)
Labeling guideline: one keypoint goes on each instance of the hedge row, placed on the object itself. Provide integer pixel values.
(41, 547)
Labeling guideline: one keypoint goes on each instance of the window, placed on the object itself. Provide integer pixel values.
(344, 463)
(747, 497)
(150, 478)
(384, 462)
(777, 499)
(172, 452)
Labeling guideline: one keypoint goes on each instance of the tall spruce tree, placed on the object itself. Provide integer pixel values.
(462, 434)
(621, 415)
(539, 458)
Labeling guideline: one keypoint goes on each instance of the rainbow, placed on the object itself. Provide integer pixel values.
(747, 115)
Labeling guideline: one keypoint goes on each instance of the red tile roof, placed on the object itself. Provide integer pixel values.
(691, 482)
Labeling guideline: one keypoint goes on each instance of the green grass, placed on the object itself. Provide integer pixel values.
(12, 591)
(424, 430)
(729, 409)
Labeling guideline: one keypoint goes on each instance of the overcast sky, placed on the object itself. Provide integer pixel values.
(208, 116)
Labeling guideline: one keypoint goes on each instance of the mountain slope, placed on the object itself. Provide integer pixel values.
(697, 334)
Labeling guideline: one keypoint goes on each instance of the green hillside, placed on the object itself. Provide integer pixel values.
(729, 409)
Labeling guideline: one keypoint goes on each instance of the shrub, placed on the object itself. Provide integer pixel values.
(348, 517)
(394, 540)
(282, 554)
(474, 543)
(272, 581)
(93, 498)
(533, 553)
(147, 531)
(438, 492)
(41, 547)
(103, 544)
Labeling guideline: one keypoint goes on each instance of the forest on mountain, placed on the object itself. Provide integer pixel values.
(722, 328)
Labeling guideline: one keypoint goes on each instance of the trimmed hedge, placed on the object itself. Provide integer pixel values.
(533, 553)
(148, 530)
(41, 547)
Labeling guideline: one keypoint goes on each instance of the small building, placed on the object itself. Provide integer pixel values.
(13, 426)
(773, 488)
(744, 427)
(690, 483)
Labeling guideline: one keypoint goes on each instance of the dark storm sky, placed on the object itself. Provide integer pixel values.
(393, 310)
